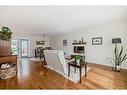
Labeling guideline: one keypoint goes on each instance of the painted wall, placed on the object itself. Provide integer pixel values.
(95, 53)
(32, 42)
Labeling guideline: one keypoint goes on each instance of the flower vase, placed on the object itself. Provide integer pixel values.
(78, 62)
(118, 67)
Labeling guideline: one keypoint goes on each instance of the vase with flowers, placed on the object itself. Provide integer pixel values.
(77, 59)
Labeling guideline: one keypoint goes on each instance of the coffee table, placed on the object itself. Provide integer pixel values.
(79, 66)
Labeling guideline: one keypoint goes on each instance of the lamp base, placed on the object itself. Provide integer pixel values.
(117, 69)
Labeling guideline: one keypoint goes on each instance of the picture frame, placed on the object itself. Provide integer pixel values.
(64, 42)
(39, 42)
(97, 41)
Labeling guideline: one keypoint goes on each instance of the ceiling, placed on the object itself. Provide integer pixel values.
(53, 20)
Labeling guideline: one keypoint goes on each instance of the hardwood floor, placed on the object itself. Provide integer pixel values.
(31, 75)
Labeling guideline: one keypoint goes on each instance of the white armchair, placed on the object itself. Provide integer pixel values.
(56, 61)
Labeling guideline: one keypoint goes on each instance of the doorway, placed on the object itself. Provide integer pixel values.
(24, 48)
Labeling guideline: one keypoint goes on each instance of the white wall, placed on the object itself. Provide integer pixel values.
(32, 41)
(95, 53)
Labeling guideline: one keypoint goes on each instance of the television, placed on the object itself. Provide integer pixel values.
(79, 49)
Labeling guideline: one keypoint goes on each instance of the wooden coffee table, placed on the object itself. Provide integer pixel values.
(79, 66)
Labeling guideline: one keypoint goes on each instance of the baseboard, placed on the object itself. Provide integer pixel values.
(105, 65)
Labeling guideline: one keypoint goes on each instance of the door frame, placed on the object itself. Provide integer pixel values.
(27, 47)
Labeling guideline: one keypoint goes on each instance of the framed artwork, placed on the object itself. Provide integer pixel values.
(64, 42)
(97, 41)
(39, 42)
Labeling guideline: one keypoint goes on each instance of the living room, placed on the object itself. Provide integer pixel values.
(91, 33)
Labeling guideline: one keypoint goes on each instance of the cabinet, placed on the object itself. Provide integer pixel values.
(11, 59)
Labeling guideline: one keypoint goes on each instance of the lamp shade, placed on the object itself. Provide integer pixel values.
(116, 40)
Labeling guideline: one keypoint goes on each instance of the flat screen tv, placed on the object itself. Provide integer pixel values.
(79, 49)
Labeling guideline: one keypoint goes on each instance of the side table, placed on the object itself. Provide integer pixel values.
(79, 66)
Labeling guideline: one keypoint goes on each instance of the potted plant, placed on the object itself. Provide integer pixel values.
(119, 58)
(77, 59)
(5, 33)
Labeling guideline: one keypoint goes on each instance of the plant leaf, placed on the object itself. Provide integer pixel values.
(121, 52)
(124, 57)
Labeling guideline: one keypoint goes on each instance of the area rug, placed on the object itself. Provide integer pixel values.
(75, 76)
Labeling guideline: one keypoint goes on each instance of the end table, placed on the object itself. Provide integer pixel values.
(79, 66)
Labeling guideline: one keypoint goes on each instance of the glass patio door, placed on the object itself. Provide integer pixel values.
(24, 48)
(14, 47)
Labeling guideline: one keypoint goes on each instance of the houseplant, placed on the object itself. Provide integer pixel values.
(119, 58)
(77, 59)
(6, 33)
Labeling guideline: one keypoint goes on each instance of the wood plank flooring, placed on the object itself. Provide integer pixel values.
(31, 75)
